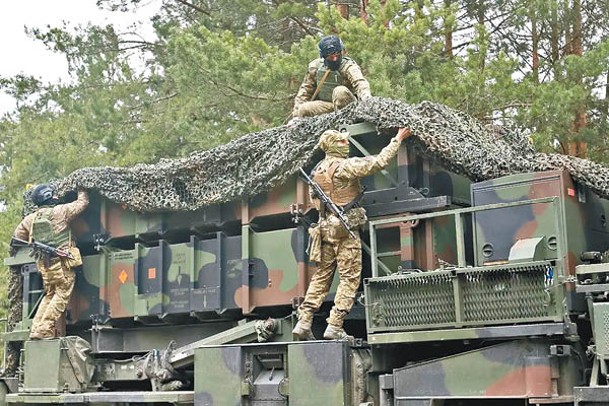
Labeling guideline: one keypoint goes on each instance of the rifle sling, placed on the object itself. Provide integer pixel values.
(320, 84)
(328, 174)
(353, 203)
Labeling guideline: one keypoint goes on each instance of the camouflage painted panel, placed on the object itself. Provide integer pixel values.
(220, 385)
(497, 230)
(201, 276)
(316, 373)
(517, 369)
(274, 270)
(582, 213)
(275, 201)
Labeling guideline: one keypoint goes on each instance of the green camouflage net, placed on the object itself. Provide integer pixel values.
(257, 162)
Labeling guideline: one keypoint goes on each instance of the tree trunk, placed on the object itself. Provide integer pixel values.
(343, 8)
(481, 17)
(605, 107)
(363, 12)
(577, 28)
(448, 34)
(580, 120)
(534, 45)
(555, 54)
(567, 23)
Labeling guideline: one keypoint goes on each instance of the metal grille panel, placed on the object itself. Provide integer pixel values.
(463, 297)
(601, 329)
(413, 300)
(505, 294)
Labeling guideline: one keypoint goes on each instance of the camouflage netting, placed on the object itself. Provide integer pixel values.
(256, 162)
(15, 314)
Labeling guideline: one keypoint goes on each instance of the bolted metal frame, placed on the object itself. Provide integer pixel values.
(466, 297)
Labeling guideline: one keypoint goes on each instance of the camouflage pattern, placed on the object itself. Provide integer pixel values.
(231, 172)
(345, 256)
(580, 211)
(231, 259)
(341, 97)
(339, 250)
(188, 275)
(61, 217)
(349, 78)
(58, 281)
(15, 315)
(521, 238)
(532, 369)
(281, 374)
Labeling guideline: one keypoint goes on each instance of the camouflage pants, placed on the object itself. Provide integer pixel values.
(344, 254)
(341, 96)
(58, 281)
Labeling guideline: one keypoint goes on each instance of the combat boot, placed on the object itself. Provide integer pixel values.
(336, 333)
(40, 336)
(303, 332)
(36, 336)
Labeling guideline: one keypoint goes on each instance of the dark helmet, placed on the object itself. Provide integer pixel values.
(43, 194)
(330, 44)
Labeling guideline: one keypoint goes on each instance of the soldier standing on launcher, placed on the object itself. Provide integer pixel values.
(50, 225)
(338, 176)
(330, 82)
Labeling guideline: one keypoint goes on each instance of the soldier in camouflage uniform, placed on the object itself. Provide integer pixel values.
(339, 177)
(344, 81)
(50, 224)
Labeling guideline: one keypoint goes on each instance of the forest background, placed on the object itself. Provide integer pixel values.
(220, 69)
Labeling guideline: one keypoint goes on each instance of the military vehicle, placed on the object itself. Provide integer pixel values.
(473, 293)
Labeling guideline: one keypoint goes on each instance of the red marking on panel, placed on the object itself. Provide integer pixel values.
(533, 381)
(571, 192)
(151, 273)
(111, 293)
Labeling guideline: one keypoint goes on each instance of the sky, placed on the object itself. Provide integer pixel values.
(21, 54)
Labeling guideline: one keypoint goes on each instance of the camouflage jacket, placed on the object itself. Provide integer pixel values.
(61, 216)
(349, 70)
(348, 171)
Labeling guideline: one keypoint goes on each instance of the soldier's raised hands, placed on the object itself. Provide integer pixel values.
(403, 133)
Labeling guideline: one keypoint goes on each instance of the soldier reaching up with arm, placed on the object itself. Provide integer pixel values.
(50, 225)
(339, 178)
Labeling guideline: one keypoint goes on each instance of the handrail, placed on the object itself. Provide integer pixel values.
(459, 229)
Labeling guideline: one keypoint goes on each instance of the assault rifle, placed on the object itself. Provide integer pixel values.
(41, 249)
(327, 202)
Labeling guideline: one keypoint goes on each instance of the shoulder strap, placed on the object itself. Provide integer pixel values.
(320, 84)
(332, 169)
(330, 173)
(39, 213)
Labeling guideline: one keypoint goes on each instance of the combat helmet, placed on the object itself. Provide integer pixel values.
(43, 194)
(330, 44)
